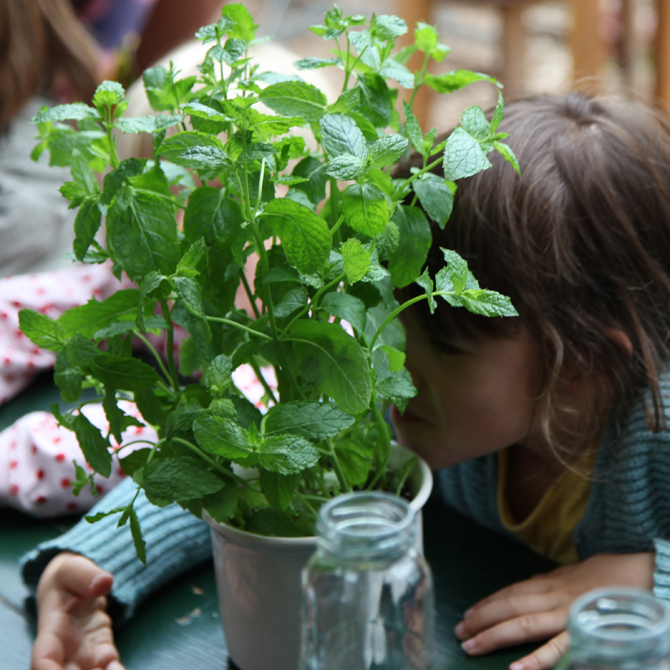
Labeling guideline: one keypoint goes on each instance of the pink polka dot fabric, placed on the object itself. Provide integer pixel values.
(36, 466)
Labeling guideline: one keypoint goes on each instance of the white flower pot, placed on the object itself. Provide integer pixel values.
(258, 580)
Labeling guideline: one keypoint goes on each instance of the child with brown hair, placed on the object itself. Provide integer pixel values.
(549, 427)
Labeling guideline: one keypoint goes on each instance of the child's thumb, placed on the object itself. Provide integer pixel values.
(80, 576)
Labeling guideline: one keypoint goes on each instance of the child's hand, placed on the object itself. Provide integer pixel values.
(538, 608)
(73, 630)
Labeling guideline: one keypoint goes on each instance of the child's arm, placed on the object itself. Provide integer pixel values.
(537, 609)
(73, 629)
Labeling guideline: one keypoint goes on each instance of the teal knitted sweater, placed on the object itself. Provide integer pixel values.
(628, 511)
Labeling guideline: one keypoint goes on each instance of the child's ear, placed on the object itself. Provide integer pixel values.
(621, 339)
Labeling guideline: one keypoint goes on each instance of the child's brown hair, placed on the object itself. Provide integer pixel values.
(40, 41)
(581, 244)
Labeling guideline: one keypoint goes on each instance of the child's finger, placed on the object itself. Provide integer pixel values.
(527, 628)
(504, 610)
(547, 656)
(526, 587)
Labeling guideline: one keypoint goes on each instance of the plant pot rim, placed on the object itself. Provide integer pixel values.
(244, 536)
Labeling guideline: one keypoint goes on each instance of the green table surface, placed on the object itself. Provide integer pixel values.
(180, 627)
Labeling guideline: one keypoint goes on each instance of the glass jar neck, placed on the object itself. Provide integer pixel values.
(366, 526)
(619, 628)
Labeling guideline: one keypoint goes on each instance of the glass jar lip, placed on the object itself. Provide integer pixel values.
(352, 518)
(659, 627)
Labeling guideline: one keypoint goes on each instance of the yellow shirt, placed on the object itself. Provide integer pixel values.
(548, 528)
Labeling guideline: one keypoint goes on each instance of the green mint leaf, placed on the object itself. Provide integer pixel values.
(506, 152)
(287, 454)
(182, 418)
(347, 102)
(484, 302)
(42, 330)
(163, 91)
(278, 489)
(314, 171)
(387, 150)
(389, 27)
(346, 167)
(221, 506)
(305, 236)
(93, 445)
(356, 259)
(396, 359)
(290, 301)
(426, 38)
(415, 239)
(340, 135)
(455, 80)
(138, 540)
(313, 420)
(135, 460)
(295, 98)
(275, 523)
(498, 114)
(366, 48)
(393, 335)
(93, 518)
(435, 196)
(267, 126)
(80, 351)
(398, 388)
(332, 360)
(222, 436)
(118, 372)
(68, 379)
(108, 94)
(148, 124)
(425, 282)
(392, 69)
(82, 479)
(218, 375)
(76, 111)
(456, 270)
(113, 181)
(347, 307)
(314, 63)
(190, 293)
(355, 459)
(86, 225)
(376, 100)
(475, 123)
(412, 128)
(388, 241)
(243, 26)
(187, 266)
(365, 209)
(181, 478)
(143, 236)
(463, 157)
(93, 316)
(210, 214)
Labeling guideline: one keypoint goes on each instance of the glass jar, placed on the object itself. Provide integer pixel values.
(367, 593)
(618, 629)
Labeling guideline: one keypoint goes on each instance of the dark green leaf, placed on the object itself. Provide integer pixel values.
(80, 351)
(119, 421)
(138, 540)
(332, 360)
(398, 388)
(93, 316)
(278, 489)
(94, 446)
(347, 307)
(118, 372)
(182, 478)
(313, 420)
(190, 294)
(315, 171)
(218, 375)
(415, 239)
(86, 225)
(355, 460)
(221, 436)
(211, 215)
(287, 454)
(221, 506)
(67, 378)
(290, 301)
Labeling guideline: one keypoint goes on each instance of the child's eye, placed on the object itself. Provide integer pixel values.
(447, 348)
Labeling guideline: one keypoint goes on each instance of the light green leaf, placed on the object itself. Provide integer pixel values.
(41, 330)
(355, 459)
(389, 27)
(148, 124)
(365, 209)
(463, 157)
(108, 94)
(222, 436)
(340, 135)
(346, 167)
(392, 69)
(499, 113)
(128, 374)
(356, 260)
(456, 271)
(75, 111)
(396, 358)
(425, 282)
(314, 63)
(187, 266)
(243, 26)
(278, 489)
(210, 214)
(287, 454)
(475, 123)
(219, 375)
(507, 153)
(295, 98)
(435, 197)
(305, 236)
(387, 150)
(190, 293)
(455, 80)
(333, 360)
(398, 388)
(93, 316)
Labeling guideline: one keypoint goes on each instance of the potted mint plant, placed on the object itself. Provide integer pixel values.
(334, 234)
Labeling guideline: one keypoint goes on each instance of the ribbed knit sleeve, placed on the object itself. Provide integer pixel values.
(175, 542)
